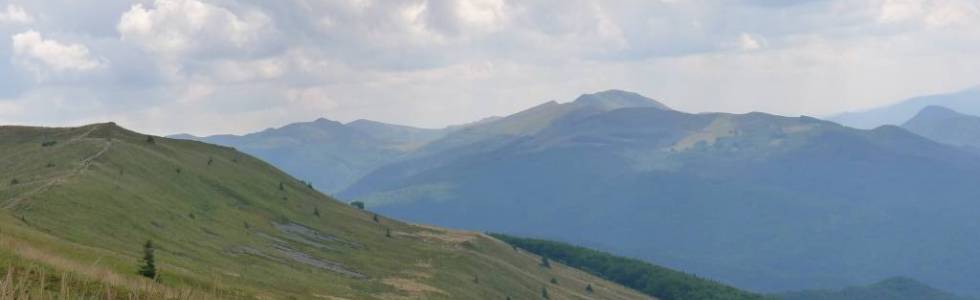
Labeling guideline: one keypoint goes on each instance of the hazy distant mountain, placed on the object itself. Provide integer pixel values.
(946, 126)
(490, 134)
(328, 153)
(898, 288)
(760, 201)
(966, 101)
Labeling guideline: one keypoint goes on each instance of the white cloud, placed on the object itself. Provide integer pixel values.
(174, 28)
(15, 14)
(42, 55)
(932, 14)
(747, 42)
(178, 64)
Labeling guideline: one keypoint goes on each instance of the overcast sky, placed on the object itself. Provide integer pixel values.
(235, 66)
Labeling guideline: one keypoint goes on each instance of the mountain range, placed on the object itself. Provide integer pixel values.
(764, 202)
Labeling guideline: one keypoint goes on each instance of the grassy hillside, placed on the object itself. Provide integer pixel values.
(78, 203)
(653, 280)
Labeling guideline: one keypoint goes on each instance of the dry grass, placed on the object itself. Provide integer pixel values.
(33, 277)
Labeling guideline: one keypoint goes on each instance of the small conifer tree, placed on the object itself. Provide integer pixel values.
(388, 232)
(545, 262)
(544, 293)
(588, 288)
(316, 211)
(149, 268)
(376, 219)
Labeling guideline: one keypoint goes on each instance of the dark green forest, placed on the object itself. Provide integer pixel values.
(650, 279)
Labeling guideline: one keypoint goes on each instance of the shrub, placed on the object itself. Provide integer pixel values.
(149, 139)
(48, 143)
(357, 204)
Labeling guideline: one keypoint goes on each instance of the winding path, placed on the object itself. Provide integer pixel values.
(85, 163)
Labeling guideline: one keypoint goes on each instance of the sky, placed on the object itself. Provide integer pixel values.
(237, 66)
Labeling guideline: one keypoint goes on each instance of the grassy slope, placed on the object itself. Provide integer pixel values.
(224, 228)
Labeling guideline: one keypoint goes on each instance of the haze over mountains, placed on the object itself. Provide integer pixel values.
(897, 288)
(965, 101)
(328, 153)
(764, 202)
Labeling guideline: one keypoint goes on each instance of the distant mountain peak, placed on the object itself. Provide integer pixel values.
(615, 99)
(938, 111)
(322, 120)
(945, 125)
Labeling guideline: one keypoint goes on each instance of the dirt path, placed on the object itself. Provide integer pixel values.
(85, 163)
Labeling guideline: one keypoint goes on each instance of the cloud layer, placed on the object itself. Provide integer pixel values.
(214, 66)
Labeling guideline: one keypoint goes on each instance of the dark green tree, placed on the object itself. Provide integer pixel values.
(388, 232)
(149, 267)
(588, 288)
(554, 280)
(544, 293)
(376, 219)
(545, 262)
(149, 139)
(282, 187)
(316, 211)
(357, 204)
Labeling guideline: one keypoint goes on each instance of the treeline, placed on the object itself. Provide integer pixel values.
(647, 278)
